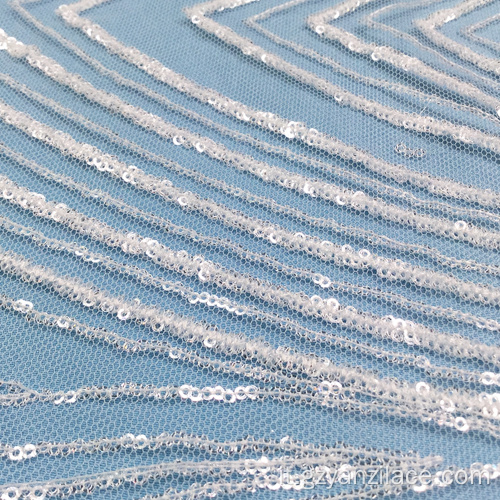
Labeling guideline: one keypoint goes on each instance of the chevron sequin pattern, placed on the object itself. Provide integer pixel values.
(249, 249)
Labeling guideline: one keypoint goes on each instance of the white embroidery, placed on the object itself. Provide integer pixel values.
(279, 125)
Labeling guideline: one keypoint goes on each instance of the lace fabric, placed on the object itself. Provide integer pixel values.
(249, 248)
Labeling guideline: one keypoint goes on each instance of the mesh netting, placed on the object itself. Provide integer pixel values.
(249, 248)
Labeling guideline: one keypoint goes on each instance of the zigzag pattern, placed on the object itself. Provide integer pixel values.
(249, 248)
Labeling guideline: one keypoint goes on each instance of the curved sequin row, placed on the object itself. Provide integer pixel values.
(314, 188)
(205, 445)
(388, 396)
(137, 391)
(430, 25)
(253, 22)
(485, 81)
(141, 475)
(264, 472)
(296, 130)
(149, 347)
(199, 16)
(206, 271)
(365, 182)
(235, 219)
(470, 31)
(326, 395)
(319, 280)
(321, 24)
(164, 348)
(248, 197)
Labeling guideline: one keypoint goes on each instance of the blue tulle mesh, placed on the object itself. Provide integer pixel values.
(43, 357)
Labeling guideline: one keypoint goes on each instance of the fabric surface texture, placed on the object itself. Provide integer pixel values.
(250, 249)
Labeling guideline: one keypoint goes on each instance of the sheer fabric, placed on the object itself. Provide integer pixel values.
(249, 248)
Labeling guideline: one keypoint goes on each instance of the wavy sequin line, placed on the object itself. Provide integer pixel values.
(291, 129)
